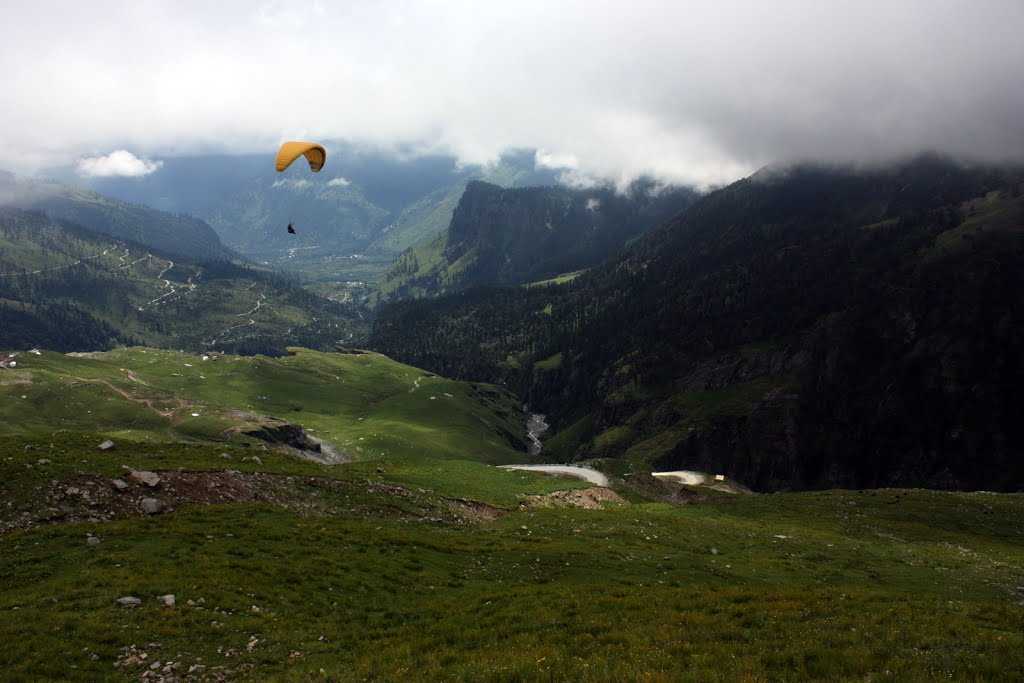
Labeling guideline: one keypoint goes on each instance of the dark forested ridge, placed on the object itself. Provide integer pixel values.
(508, 236)
(805, 327)
(66, 288)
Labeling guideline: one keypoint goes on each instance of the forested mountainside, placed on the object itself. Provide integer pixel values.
(172, 234)
(66, 288)
(501, 236)
(802, 328)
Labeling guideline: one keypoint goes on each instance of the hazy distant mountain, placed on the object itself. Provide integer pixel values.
(172, 234)
(363, 200)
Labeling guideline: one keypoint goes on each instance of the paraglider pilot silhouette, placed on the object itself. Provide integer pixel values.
(315, 154)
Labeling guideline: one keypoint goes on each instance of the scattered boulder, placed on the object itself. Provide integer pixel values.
(107, 445)
(129, 601)
(43, 461)
(92, 540)
(166, 600)
(150, 479)
(151, 506)
(119, 484)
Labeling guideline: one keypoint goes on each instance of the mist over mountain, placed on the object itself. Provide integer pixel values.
(173, 234)
(363, 201)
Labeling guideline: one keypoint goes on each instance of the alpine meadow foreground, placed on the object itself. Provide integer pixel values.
(411, 563)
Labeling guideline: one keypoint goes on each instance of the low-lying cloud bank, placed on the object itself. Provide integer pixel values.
(690, 92)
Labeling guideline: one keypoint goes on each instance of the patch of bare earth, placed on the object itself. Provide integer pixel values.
(15, 377)
(93, 498)
(474, 511)
(664, 490)
(594, 498)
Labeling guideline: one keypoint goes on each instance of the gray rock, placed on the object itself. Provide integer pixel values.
(129, 601)
(119, 484)
(152, 506)
(166, 600)
(43, 461)
(106, 445)
(93, 540)
(714, 551)
(150, 479)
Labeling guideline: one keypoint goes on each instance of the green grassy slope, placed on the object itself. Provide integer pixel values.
(366, 405)
(890, 585)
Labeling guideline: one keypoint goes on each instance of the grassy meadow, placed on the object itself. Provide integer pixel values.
(418, 560)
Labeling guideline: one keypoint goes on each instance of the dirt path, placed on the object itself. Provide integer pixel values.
(260, 300)
(179, 404)
(54, 268)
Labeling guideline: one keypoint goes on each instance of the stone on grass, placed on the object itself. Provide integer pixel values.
(166, 600)
(106, 445)
(152, 506)
(119, 484)
(93, 540)
(150, 479)
(129, 601)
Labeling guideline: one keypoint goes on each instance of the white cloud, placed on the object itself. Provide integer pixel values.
(699, 91)
(294, 184)
(118, 163)
(546, 159)
(339, 182)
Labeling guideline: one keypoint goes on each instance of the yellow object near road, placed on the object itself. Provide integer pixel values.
(290, 151)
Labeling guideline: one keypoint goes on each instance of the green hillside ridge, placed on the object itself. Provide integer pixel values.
(365, 405)
(109, 292)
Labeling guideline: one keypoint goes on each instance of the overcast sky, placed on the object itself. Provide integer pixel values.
(693, 92)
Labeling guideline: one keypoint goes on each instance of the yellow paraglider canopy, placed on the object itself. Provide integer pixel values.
(290, 151)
